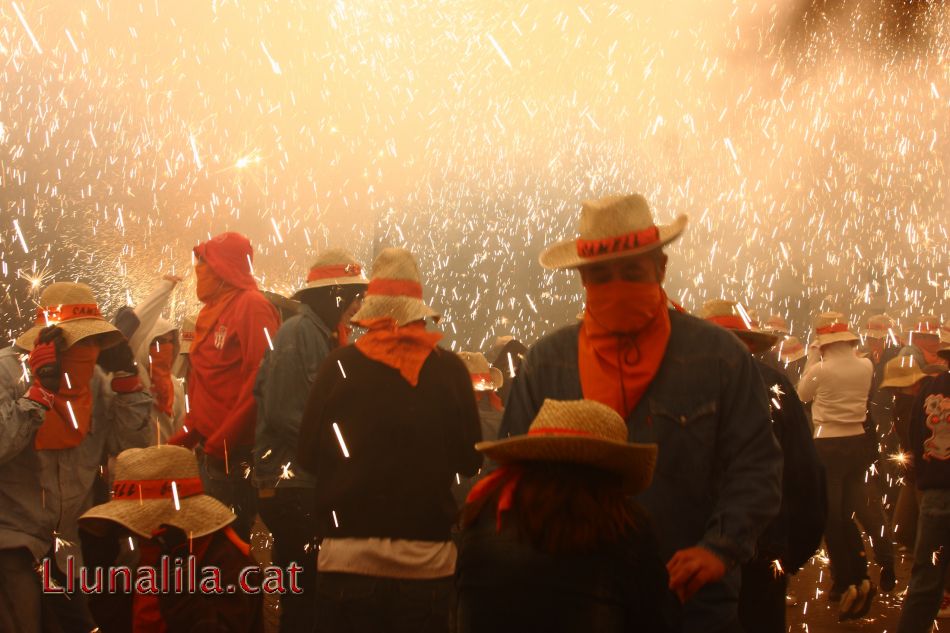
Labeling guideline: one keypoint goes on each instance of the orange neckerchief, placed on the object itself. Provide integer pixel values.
(160, 373)
(403, 348)
(506, 478)
(58, 430)
(616, 369)
(216, 295)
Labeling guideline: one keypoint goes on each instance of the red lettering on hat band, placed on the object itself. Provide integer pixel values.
(618, 244)
(334, 271)
(65, 312)
(138, 489)
(834, 328)
(730, 322)
(394, 288)
(558, 431)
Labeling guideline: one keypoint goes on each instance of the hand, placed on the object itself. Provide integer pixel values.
(691, 569)
(44, 358)
(117, 359)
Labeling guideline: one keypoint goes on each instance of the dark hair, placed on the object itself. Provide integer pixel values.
(564, 508)
(330, 302)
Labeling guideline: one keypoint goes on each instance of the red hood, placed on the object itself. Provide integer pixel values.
(229, 256)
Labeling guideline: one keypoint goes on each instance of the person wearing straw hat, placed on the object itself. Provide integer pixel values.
(677, 381)
(332, 295)
(80, 398)
(506, 355)
(159, 509)
(880, 346)
(838, 383)
(529, 560)
(928, 593)
(390, 423)
(234, 328)
(795, 534)
(926, 337)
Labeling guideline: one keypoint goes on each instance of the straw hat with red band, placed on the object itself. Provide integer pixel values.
(612, 228)
(334, 267)
(484, 376)
(902, 371)
(72, 307)
(156, 486)
(777, 324)
(832, 327)
(878, 326)
(580, 432)
(728, 314)
(394, 291)
(927, 324)
(790, 349)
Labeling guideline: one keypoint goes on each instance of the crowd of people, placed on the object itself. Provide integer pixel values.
(642, 469)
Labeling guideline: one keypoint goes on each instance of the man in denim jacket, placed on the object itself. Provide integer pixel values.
(684, 384)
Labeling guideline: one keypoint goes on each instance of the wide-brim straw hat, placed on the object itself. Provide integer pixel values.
(879, 326)
(927, 324)
(832, 327)
(612, 228)
(902, 371)
(791, 349)
(484, 376)
(144, 497)
(335, 267)
(728, 314)
(187, 333)
(579, 432)
(72, 307)
(777, 325)
(394, 291)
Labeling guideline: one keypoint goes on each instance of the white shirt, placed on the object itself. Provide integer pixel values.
(839, 384)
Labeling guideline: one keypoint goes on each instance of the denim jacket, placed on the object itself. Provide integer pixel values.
(281, 390)
(717, 481)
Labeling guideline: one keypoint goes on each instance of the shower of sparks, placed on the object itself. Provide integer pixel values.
(175, 496)
(340, 365)
(498, 49)
(72, 416)
(29, 31)
(131, 544)
(19, 234)
(339, 437)
(286, 472)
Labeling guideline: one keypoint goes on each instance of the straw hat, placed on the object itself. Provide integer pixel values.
(72, 307)
(728, 314)
(791, 350)
(484, 376)
(334, 267)
(144, 497)
(581, 432)
(777, 324)
(187, 334)
(927, 324)
(612, 228)
(832, 327)
(395, 290)
(902, 371)
(878, 326)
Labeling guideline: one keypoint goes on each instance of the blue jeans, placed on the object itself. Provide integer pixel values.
(353, 603)
(232, 488)
(931, 560)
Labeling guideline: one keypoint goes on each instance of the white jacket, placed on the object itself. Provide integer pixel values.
(838, 384)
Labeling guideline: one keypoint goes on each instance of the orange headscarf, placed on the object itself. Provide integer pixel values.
(403, 348)
(160, 358)
(61, 429)
(216, 294)
(622, 342)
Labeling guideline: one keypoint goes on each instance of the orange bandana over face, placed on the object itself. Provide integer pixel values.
(160, 373)
(403, 348)
(216, 294)
(62, 429)
(622, 342)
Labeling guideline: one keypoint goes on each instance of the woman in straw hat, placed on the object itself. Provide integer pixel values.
(56, 424)
(677, 381)
(159, 509)
(391, 422)
(551, 540)
(928, 593)
(795, 534)
(838, 385)
(332, 295)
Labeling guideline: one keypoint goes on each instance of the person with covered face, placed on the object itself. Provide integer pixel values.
(231, 335)
(332, 295)
(390, 423)
(72, 399)
(686, 385)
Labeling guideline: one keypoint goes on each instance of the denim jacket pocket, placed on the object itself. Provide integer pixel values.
(687, 436)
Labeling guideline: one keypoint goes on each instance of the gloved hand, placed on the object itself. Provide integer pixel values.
(44, 359)
(117, 359)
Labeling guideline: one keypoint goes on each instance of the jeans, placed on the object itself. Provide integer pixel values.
(288, 514)
(931, 561)
(762, 597)
(869, 510)
(846, 460)
(232, 488)
(353, 603)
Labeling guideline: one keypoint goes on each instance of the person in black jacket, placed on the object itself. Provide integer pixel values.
(552, 541)
(390, 424)
(795, 534)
